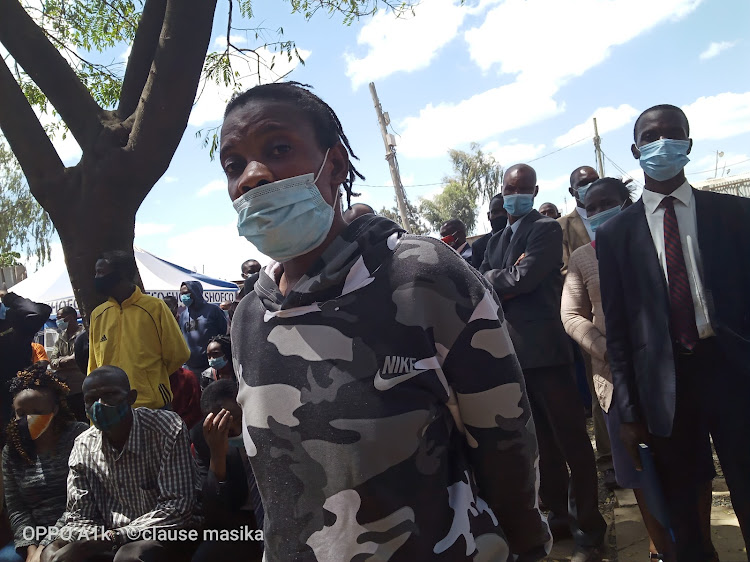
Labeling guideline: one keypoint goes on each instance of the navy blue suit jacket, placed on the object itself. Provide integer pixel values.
(635, 297)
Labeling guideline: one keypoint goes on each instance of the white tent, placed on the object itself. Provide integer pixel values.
(51, 284)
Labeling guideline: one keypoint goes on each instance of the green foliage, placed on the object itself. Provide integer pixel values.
(24, 225)
(477, 177)
(454, 202)
(477, 172)
(416, 224)
(9, 259)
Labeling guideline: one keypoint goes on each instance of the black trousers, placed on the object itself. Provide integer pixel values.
(713, 398)
(572, 498)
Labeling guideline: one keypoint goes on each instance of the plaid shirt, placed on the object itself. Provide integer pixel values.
(152, 482)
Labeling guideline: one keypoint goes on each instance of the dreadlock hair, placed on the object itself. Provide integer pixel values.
(622, 189)
(326, 124)
(226, 344)
(36, 377)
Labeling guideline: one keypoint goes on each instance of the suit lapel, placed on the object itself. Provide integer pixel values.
(579, 228)
(520, 238)
(642, 249)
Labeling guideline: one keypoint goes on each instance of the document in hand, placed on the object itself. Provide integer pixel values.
(652, 490)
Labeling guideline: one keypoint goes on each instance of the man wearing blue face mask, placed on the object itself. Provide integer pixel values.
(199, 322)
(131, 474)
(575, 225)
(674, 279)
(523, 264)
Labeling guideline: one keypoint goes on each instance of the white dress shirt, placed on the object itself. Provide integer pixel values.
(684, 210)
(585, 218)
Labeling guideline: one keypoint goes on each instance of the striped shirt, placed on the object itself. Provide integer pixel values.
(152, 482)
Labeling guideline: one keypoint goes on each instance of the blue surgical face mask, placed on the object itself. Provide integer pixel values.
(581, 191)
(287, 218)
(217, 362)
(3, 310)
(518, 204)
(62, 325)
(105, 417)
(600, 218)
(186, 299)
(664, 159)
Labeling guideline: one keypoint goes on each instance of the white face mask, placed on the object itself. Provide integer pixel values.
(286, 218)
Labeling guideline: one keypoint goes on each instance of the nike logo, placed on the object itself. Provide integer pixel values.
(104, 338)
(385, 384)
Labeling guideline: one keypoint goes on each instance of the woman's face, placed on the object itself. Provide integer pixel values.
(214, 350)
(601, 198)
(30, 402)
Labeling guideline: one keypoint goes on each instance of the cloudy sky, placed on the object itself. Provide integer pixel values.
(523, 78)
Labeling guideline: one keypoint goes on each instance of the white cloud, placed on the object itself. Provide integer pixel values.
(404, 44)
(720, 116)
(221, 41)
(196, 250)
(510, 154)
(555, 190)
(213, 97)
(65, 144)
(539, 70)
(440, 127)
(126, 55)
(143, 229)
(503, 37)
(170, 179)
(715, 48)
(608, 119)
(212, 187)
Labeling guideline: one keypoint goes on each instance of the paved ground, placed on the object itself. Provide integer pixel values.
(627, 538)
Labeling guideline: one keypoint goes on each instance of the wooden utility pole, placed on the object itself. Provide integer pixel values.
(390, 155)
(598, 149)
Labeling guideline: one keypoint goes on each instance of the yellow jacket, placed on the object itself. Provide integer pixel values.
(143, 339)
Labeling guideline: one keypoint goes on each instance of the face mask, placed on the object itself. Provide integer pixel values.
(664, 159)
(236, 442)
(38, 424)
(187, 300)
(499, 223)
(3, 310)
(287, 218)
(600, 218)
(450, 239)
(581, 191)
(105, 417)
(104, 284)
(62, 325)
(217, 362)
(519, 204)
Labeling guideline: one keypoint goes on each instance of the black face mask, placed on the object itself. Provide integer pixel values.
(499, 223)
(106, 283)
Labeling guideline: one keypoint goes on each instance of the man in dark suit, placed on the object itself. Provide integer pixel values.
(523, 264)
(675, 271)
(498, 217)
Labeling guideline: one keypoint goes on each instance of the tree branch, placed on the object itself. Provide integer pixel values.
(164, 108)
(28, 141)
(141, 56)
(27, 44)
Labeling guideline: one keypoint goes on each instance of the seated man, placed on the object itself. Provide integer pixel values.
(230, 494)
(132, 482)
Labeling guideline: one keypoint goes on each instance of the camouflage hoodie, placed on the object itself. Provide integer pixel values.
(386, 412)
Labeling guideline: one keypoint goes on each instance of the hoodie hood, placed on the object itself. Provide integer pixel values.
(346, 265)
(196, 289)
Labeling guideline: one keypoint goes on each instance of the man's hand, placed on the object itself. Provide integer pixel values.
(33, 552)
(632, 434)
(519, 259)
(67, 361)
(81, 550)
(216, 433)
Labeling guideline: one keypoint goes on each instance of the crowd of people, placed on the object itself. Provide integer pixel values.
(373, 394)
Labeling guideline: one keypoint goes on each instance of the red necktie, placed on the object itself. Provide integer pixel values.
(681, 309)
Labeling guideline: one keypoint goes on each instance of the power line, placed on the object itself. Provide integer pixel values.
(441, 183)
(725, 165)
